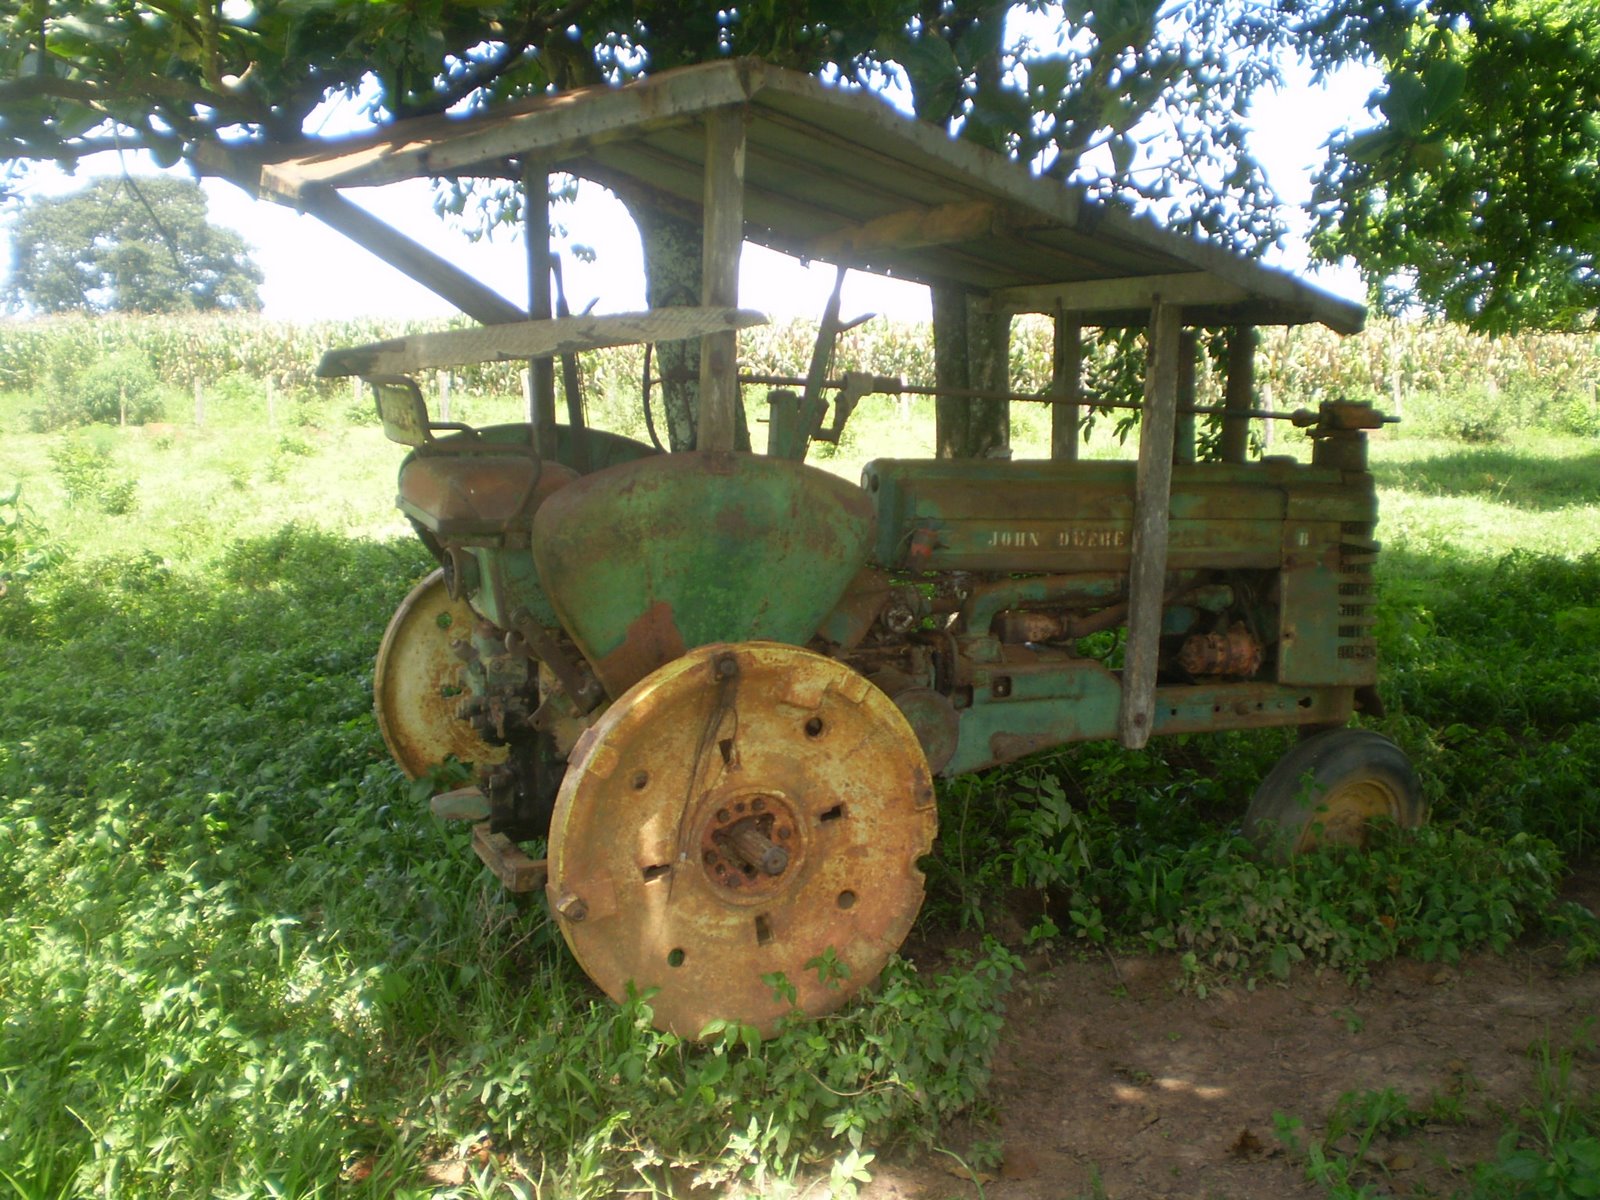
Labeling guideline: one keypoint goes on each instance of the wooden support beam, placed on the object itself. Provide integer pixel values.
(530, 339)
(913, 227)
(1151, 513)
(1066, 383)
(1240, 395)
(536, 234)
(1112, 295)
(1183, 438)
(719, 279)
(437, 274)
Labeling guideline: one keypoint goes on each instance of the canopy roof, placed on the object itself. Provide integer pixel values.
(837, 174)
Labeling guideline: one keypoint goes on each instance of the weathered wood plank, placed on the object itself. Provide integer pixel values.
(536, 237)
(554, 127)
(1151, 509)
(532, 339)
(1106, 295)
(719, 280)
(913, 227)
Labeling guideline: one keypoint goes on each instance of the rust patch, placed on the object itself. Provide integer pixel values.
(653, 640)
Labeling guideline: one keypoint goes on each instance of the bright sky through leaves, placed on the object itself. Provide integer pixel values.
(313, 273)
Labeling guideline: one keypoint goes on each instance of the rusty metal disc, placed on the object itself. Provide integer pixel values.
(743, 811)
(415, 690)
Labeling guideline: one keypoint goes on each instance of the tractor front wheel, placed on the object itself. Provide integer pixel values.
(1329, 790)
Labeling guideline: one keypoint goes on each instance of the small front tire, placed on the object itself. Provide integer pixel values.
(1329, 790)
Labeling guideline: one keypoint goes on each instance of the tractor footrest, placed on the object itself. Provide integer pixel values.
(505, 858)
(463, 804)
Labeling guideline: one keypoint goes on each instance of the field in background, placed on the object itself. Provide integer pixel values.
(239, 959)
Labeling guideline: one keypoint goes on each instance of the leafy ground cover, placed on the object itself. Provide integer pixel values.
(237, 959)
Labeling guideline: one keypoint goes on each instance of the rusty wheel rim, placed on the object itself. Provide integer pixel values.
(1343, 816)
(655, 879)
(415, 687)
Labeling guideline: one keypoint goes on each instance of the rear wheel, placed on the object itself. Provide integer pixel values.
(1329, 790)
(416, 689)
(743, 812)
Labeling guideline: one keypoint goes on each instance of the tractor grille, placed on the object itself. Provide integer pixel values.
(1357, 552)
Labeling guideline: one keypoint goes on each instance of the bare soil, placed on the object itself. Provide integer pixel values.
(1113, 1083)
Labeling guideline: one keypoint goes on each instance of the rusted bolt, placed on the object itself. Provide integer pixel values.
(758, 805)
(723, 815)
(783, 831)
(572, 908)
(727, 666)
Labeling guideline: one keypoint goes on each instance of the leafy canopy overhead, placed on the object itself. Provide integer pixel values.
(1138, 98)
(129, 246)
(1478, 193)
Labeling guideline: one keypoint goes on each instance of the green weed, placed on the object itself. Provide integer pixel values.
(1550, 1150)
(239, 959)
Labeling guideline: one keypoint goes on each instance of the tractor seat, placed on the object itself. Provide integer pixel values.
(477, 495)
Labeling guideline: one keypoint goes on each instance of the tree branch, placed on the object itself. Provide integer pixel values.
(488, 70)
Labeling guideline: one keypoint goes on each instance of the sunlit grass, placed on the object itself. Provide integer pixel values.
(237, 958)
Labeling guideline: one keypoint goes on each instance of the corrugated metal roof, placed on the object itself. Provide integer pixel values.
(837, 174)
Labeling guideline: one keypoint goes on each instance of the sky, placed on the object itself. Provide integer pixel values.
(313, 273)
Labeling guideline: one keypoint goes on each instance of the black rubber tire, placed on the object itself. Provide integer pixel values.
(1329, 789)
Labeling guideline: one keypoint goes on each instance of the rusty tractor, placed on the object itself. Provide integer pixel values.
(717, 685)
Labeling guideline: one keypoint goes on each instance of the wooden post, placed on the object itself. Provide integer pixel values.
(541, 390)
(1066, 382)
(719, 276)
(1240, 393)
(199, 404)
(443, 378)
(1183, 441)
(272, 403)
(1151, 503)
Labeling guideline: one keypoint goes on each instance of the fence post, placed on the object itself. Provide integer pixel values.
(199, 404)
(272, 403)
(444, 395)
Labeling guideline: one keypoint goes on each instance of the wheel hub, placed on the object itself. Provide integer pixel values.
(743, 812)
(751, 845)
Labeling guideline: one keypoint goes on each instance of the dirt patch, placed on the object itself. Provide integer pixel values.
(1111, 1083)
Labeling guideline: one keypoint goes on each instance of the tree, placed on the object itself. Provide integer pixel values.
(1477, 195)
(126, 245)
(1136, 100)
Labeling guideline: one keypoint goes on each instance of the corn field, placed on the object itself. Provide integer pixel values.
(1532, 379)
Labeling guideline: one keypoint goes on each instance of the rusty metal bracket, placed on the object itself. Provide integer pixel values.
(505, 858)
(583, 689)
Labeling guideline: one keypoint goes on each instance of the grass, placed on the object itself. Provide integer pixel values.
(1548, 1148)
(236, 960)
